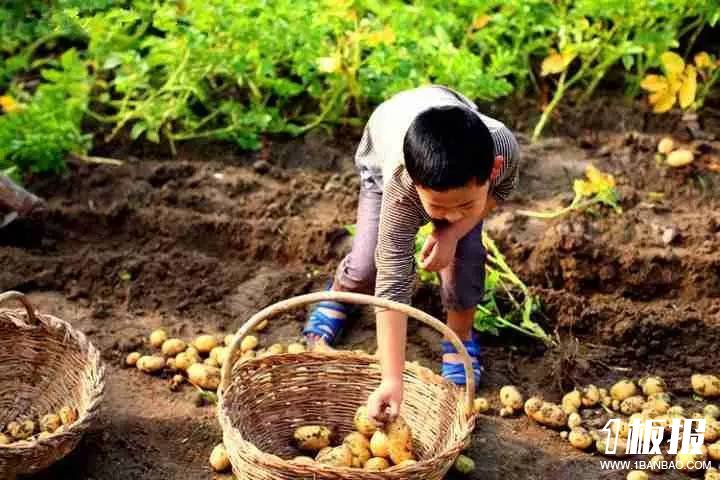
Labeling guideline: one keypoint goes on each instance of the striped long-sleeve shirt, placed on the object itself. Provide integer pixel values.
(380, 160)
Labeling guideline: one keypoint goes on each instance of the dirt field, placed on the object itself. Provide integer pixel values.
(213, 236)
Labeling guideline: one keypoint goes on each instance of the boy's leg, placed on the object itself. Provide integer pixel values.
(356, 272)
(463, 286)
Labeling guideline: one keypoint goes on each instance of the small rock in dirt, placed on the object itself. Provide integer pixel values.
(219, 176)
(129, 344)
(714, 225)
(261, 167)
(670, 235)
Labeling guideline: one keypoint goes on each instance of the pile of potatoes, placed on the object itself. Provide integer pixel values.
(28, 430)
(370, 447)
(577, 414)
(673, 156)
(201, 359)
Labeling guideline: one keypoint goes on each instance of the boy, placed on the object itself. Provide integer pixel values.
(427, 154)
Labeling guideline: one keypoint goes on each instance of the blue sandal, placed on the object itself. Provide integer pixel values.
(455, 372)
(324, 326)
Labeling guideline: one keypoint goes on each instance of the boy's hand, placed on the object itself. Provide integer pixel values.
(384, 403)
(438, 251)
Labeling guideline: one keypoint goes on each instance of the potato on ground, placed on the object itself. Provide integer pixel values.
(21, 430)
(276, 349)
(689, 462)
(652, 385)
(464, 464)
(150, 363)
(219, 460)
(580, 438)
(379, 444)
(376, 464)
(511, 397)
(590, 396)
(632, 404)
(158, 337)
(173, 346)
(337, 457)
(620, 448)
(303, 459)
(205, 343)
(622, 390)
(204, 376)
(572, 401)
(714, 451)
(481, 405)
(706, 385)
(296, 348)
(4, 439)
(637, 475)
(546, 413)
(312, 438)
(711, 410)
(712, 474)
(363, 423)
(249, 343)
(574, 420)
(132, 358)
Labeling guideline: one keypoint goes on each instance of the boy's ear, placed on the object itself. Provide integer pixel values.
(497, 166)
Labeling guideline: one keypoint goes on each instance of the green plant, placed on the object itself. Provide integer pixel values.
(598, 188)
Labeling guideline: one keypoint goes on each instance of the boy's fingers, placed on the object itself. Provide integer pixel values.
(427, 247)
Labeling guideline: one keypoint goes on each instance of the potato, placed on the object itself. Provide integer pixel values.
(590, 396)
(68, 415)
(714, 451)
(205, 343)
(676, 411)
(302, 459)
(398, 455)
(620, 448)
(656, 463)
(464, 465)
(157, 337)
(132, 359)
(337, 457)
(176, 382)
(261, 326)
(296, 348)
(580, 438)
(220, 354)
(622, 390)
(688, 462)
(622, 428)
(655, 407)
(680, 158)
(550, 415)
(481, 405)
(510, 397)
(379, 444)
(632, 404)
(183, 360)
(706, 385)
(44, 435)
(4, 439)
(312, 438)
(712, 474)
(359, 446)
(506, 412)
(407, 462)
(363, 423)
(229, 340)
(564, 434)
(276, 349)
(249, 343)
(637, 475)
(532, 406)
(21, 430)
(398, 431)
(572, 401)
(150, 363)
(712, 430)
(574, 420)
(652, 385)
(711, 410)
(173, 346)
(219, 460)
(170, 364)
(204, 376)
(665, 145)
(50, 422)
(376, 464)
(211, 362)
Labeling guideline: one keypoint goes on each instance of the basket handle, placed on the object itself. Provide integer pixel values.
(12, 295)
(356, 298)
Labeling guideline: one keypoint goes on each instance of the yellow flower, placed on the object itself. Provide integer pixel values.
(480, 21)
(8, 104)
(557, 62)
(385, 36)
(679, 84)
(597, 182)
(329, 64)
(703, 60)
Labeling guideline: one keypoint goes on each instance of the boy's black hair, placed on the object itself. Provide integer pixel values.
(447, 147)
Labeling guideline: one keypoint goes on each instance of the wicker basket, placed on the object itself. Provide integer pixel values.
(45, 364)
(263, 400)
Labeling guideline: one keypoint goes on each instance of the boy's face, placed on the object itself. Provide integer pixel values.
(456, 204)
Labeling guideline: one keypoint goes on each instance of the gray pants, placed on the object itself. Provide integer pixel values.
(462, 282)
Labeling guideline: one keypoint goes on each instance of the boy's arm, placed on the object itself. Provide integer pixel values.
(385, 402)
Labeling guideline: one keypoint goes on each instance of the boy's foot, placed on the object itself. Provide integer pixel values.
(452, 366)
(326, 322)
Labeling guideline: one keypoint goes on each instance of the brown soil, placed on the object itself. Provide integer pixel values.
(206, 243)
